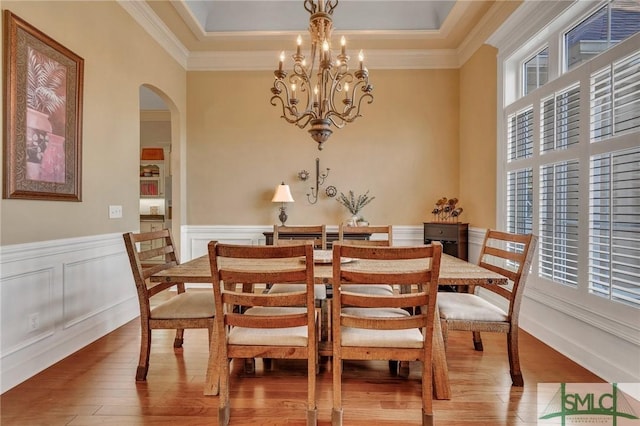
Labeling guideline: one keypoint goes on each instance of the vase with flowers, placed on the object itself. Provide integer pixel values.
(354, 204)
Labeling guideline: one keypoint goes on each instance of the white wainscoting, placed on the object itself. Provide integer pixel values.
(195, 238)
(57, 297)
(81, 289)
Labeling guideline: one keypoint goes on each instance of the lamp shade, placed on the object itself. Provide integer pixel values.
(152, 154)
(282, 194)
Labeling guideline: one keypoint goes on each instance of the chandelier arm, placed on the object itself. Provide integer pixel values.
(331, 4)
(310, 6)
(291, 115)
(350, 118)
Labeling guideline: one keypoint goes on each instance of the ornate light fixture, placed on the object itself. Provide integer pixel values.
(336, 95)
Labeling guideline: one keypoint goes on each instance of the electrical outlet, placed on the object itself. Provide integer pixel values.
(115, 212)
(34, 321)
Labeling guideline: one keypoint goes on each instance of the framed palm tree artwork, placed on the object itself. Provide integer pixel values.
(43, 115)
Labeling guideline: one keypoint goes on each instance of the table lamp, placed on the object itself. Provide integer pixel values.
(282, 195)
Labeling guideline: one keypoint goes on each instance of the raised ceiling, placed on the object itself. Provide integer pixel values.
(250, 34)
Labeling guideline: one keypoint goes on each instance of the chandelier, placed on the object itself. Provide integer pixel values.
(336, 95)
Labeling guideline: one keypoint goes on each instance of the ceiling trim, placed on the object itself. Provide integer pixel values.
(265, 60)
(201, 34)
(149, 21)
(457, 11)
(376, 59)
(480, 33)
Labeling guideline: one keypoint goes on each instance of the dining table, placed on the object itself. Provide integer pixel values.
(453, 272)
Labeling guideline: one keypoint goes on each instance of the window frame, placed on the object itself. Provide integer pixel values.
(513, 52)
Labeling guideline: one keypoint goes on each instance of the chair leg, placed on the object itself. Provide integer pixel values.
(177, 343)
(514, 358)
(312, 417)
(403, 370)
(336, 417)
(336, 413)
(427, 419)
(212, 383)
(224, 408)
(445, 331)
(249, 366)
(393, 367)
(427, 392)
(477, 341)
(145, 348)
(312, 408)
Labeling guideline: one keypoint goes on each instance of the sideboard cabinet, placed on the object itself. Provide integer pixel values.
(453, 236)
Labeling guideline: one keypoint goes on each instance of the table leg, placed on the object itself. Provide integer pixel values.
(441, 384)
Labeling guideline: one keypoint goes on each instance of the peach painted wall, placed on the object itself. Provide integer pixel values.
(478, 138)
(404, 150)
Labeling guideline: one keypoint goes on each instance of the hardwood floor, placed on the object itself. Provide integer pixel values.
(97, 386)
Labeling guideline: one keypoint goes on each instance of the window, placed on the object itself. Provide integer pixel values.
(520, 201)
(614, 227)
(615, 98)
(520, 137)
(611, 24)
(559, 210)
(560, 115)
(536, 71)
(572, 154)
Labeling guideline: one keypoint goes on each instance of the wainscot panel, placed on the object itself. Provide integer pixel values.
(59, 296)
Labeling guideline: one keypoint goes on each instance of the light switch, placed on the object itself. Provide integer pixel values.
(115, 212)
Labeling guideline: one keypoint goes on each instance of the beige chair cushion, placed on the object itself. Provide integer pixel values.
(291, 336)
(370, 289)
(468, 307)
(186, 305)
(409, 338)
(319, 291)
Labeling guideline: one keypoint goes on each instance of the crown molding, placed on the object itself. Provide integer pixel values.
(266, 60)
(376, 59)
(149, 21)
(480, 32)
(526, 21)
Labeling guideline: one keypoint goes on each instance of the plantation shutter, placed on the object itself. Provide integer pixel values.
(559, 210)
(614, 226)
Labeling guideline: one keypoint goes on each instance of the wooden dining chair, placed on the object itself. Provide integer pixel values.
(346, 232)
(317, 234)
(275, 326)
(150, 253)
(370, 327)
(509, 255)
(383, 235)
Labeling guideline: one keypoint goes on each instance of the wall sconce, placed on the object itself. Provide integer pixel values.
(312, 197)
(282, 195)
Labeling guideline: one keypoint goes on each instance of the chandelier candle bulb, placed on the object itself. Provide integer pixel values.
(361, 58)
(343, 43)
(281, 61)
(299, 42)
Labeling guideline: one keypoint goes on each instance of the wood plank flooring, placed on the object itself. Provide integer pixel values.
(97, 386)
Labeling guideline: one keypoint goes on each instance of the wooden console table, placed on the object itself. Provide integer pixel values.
(331, 237)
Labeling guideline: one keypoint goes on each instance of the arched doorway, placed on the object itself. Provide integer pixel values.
(156, 173)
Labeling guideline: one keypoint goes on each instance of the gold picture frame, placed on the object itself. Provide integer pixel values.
(43, 85)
